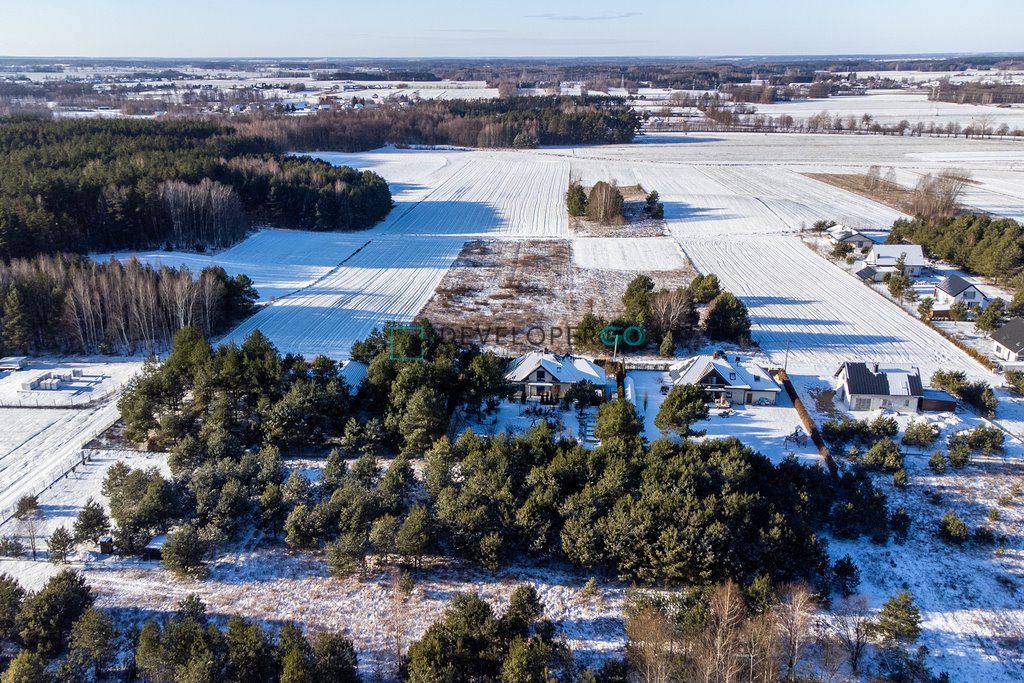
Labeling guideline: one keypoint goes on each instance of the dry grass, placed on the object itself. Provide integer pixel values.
(635, 222)
(525, 284)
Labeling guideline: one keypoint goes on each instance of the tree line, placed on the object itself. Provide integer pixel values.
(72, 304)
(106, 184)
(504, 122)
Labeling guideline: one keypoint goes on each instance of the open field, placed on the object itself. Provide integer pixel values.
(496, 286)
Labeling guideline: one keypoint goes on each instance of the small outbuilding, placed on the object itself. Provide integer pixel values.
(154, 550)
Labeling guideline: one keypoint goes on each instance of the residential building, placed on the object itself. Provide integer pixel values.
(1008, 341)
(739, 381)
(870, 387)
(954, 289)
(883, 259)
(545, 376)
(841, 233)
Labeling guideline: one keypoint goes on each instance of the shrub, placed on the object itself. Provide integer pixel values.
(899, 479)
(994, 515)
(847, 576)
(984, 536)
(953, 529)
(959, 455)
(900, 620)
(884, 455)
(899, 522)
(920, 434)
(576, 199)
(937, 462)
(985, 439)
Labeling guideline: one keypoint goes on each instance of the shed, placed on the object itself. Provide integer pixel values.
(937, 401)
(106, 545)
(154, 550)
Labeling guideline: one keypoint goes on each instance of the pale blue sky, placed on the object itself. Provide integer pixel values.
(432, 28)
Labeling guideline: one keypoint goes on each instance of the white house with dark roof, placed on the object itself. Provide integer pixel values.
(1008, 341)
(738, 380)
(870, 387)
(546, 376)
(883, 258)
(954, 289)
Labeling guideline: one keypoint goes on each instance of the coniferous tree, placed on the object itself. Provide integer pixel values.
(91, 523)
(60, 545)
(15, 328)
(900, 619)
(684, 405)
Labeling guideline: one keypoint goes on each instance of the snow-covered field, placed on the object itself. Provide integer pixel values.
(40, 444)
(645, 253)
(889, 107)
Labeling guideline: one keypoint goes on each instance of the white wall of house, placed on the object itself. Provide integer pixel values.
(867, 402)
(1005, 353)
(969, 297)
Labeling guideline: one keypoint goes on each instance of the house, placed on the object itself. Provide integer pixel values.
(954, 289)
(546, 376)
(737, 380)
(1008, 341)
(842, 234)
(883, 257)
(870, 387)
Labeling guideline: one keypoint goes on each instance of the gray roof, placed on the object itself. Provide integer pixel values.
(736, 373)
(879, 381)
(1011, 335)
(953, 285)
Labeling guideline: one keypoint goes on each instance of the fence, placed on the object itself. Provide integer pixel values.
(60, 469)
(58, 402)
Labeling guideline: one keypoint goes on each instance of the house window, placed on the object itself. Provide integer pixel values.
(732, 376)
(862, 404)
(541, 376)
(886, 403)
(968, 294)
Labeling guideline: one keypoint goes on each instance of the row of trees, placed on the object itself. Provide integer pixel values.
(679, 316)
(58, 623)
(977, 243)
(69, 303)
(503, 122)
(105, 184)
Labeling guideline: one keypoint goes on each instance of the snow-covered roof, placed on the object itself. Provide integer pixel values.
(840, 232)
(877, 380)
(736, 372)
(886, 255)
(568, 369)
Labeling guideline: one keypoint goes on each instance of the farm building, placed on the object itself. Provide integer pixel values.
(883, 257)
(841, 234)
(870, 387)
(954, 289)
(154, 550)
(546, 376)
(730, 377)
(1008, 341)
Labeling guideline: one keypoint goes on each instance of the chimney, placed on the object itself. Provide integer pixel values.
(876, 368)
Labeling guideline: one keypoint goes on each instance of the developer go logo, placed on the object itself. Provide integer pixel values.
(412, 342)
(613, 335)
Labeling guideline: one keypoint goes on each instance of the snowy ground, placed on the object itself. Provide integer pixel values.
(609, 253)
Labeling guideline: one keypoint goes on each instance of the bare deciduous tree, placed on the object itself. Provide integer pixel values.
(853, 627)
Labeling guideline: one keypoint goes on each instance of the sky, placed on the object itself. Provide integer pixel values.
(486, 28)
